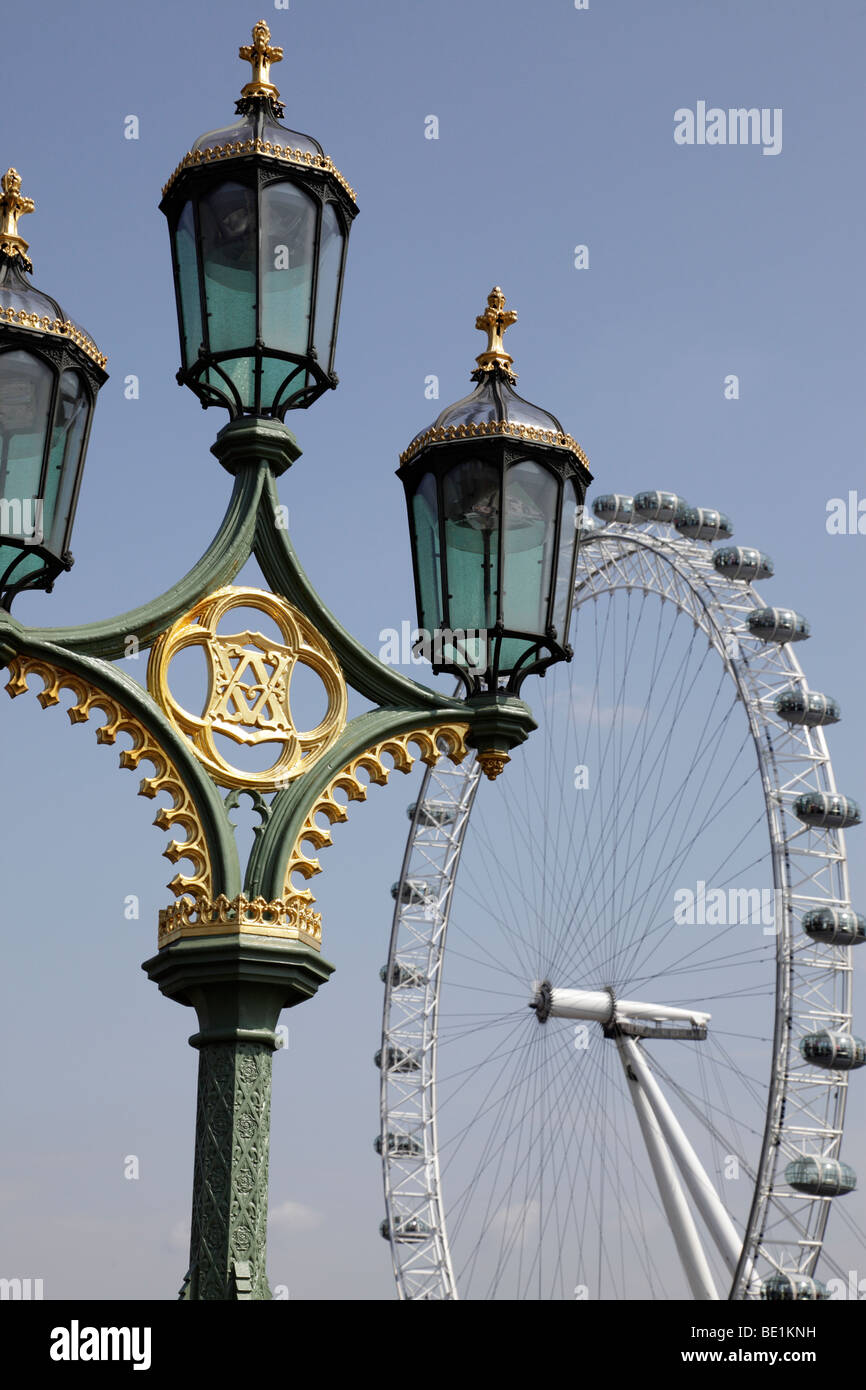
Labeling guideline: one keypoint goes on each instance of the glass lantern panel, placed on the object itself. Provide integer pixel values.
(572, 511)
(227, 217)
(64, 460)
(428, 562)
(481, 406)
(531, 495)
(330, 260)
(471, 501)
(274, 134)
(512, 652)
(187, 271)
(275, 370)
(241, 372)
(24, 563)
(288, 240)
(26, 384)
(22, 297)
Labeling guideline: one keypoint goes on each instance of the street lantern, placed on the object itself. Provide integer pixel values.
(259, 220)
(494, 490)
(50, 373)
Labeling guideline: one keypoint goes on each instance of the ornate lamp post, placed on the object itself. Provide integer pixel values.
(247, 205)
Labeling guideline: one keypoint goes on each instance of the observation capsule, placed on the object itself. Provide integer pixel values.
(433, 813)
(658, 506)
(820, 1177)
(781, 1288)
(828, 810)
(613, 506)
(743, 562)
(807, 707)
(778, 625)
(587, 524)
(414, 892)
(834, 1051)
(403, 976)
(703, 524)
(835, 926)
(398, 1059)
(406, 1229)
(402, 1145)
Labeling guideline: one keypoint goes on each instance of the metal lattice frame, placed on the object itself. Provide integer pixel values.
(805, 1107)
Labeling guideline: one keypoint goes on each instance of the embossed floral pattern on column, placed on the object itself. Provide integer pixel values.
(230, 1197)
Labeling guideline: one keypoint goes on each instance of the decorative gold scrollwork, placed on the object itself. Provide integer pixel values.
(452, 736)
(183, 814)
(249, 687)
(438, 434)
(290, 917)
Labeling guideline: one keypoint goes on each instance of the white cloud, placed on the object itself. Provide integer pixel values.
(519, 1216)
(294, 1216)
(178, 1237)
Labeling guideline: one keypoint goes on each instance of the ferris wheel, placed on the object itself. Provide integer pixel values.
(616, 1046)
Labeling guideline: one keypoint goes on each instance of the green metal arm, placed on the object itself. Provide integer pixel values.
(267, 864)
(227, 552)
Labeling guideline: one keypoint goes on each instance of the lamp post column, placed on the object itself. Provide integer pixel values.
(238, 985)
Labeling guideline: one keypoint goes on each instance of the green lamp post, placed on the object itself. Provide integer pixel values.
(259, 220)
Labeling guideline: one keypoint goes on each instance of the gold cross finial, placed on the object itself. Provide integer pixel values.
(494, 321)
(13, 206)
(261, 55)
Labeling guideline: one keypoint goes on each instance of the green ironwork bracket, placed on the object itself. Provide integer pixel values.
(255, 452)
(266, 870)
(16, 641)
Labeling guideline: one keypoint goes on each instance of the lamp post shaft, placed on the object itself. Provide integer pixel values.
(230, 1185)
(238, 985)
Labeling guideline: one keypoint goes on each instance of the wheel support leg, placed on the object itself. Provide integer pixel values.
(673, 1198)
(704, 1195)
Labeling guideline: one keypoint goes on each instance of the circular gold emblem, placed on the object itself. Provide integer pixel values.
(249, 686)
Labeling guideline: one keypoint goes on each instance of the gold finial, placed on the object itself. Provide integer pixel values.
(494, 321)
(492, 761)
(13, 206)
(261, 55)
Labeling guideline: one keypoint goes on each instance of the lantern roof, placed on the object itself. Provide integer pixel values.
(258, 130)
(494, 407)
(21, 304)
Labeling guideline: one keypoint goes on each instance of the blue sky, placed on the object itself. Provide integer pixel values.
(555, 130)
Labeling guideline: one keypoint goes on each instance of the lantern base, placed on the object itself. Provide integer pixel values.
(251, 439)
